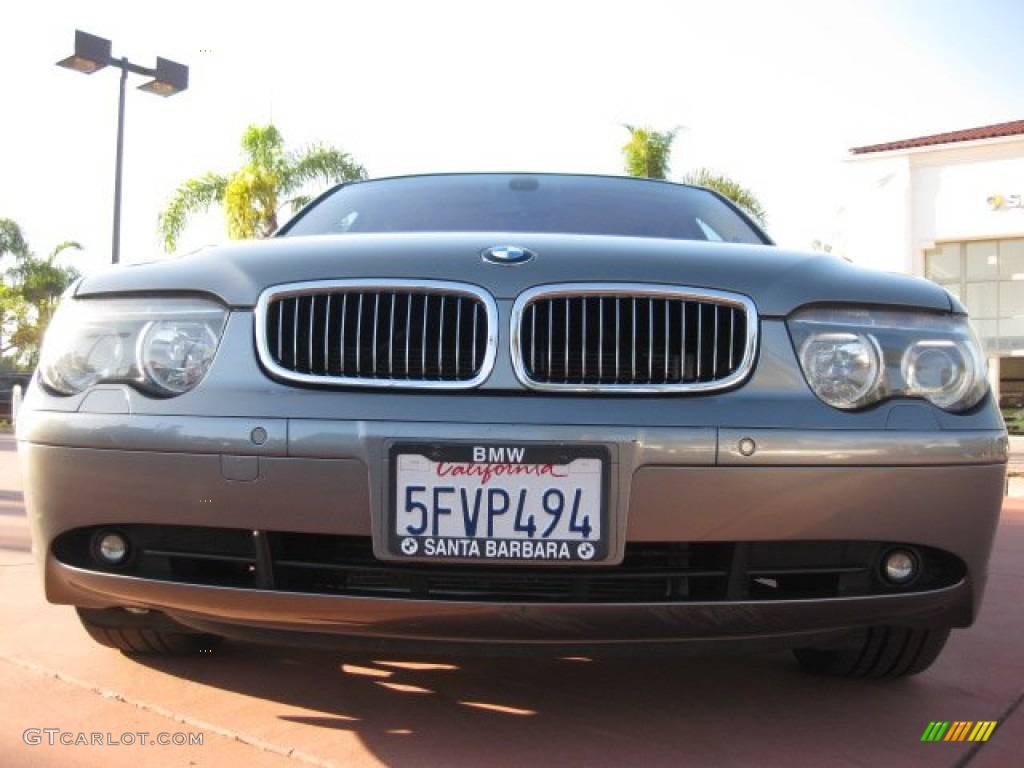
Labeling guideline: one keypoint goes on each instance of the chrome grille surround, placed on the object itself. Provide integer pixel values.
(356, 332)
(632, 338)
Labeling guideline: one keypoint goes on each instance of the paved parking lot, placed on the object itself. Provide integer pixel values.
(262, 706)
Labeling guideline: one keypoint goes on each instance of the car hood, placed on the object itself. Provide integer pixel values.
(777, 280)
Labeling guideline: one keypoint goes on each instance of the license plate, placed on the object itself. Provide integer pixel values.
(491, 502)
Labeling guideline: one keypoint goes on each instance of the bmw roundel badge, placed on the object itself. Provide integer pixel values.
(507, 254)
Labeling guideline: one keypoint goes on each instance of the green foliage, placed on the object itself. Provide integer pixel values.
(647, 152)
(743, 197)
(11, 240)
(191, 197)
(1014, 419)
(14, 316)
(252, 195)
(29, 294)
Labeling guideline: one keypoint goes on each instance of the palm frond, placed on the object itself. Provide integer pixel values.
(299, 202)
(320, 163)
(191, 197)
(727, 187)
(66, 245)
(263, 146)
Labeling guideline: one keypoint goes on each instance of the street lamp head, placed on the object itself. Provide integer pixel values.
(170, 78)
(91, 53)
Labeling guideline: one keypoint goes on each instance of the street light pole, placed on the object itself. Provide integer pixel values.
(115, 248)
(92, 53)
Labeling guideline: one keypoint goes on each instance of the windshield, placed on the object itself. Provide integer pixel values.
(586, 205)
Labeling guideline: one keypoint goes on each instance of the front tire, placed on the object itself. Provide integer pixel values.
(878, 652)
(150, 634)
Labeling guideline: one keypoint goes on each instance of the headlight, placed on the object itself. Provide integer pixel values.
(176, 354)
(162, 345)
(845, 367)
(853, 358)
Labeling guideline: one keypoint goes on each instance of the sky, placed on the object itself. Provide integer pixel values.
(773, 94)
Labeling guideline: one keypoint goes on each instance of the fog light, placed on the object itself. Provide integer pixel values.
(900, 567)
(111, 548)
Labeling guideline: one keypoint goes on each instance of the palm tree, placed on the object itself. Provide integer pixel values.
(253, 194)
(647, 154)
(30, 293)
(648, 151)
(743, 197)
(42, 281)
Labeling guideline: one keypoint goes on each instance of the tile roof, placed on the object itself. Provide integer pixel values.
(1012, 128)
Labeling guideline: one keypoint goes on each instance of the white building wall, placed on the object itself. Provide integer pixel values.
(900, 203)
(953, 189)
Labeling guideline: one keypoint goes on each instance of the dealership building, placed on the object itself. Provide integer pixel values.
(949, 207)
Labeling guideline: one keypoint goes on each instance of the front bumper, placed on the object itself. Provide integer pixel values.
(935, 490)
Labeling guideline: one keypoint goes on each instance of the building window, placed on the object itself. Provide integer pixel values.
(1011, 259)
(943, 264)
(982, 260)
(988, 277)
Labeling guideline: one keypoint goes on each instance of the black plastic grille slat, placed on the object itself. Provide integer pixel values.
(650, 572)
(628, 339)
(378, 334)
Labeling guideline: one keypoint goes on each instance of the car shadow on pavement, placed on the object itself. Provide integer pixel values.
(571, 711)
